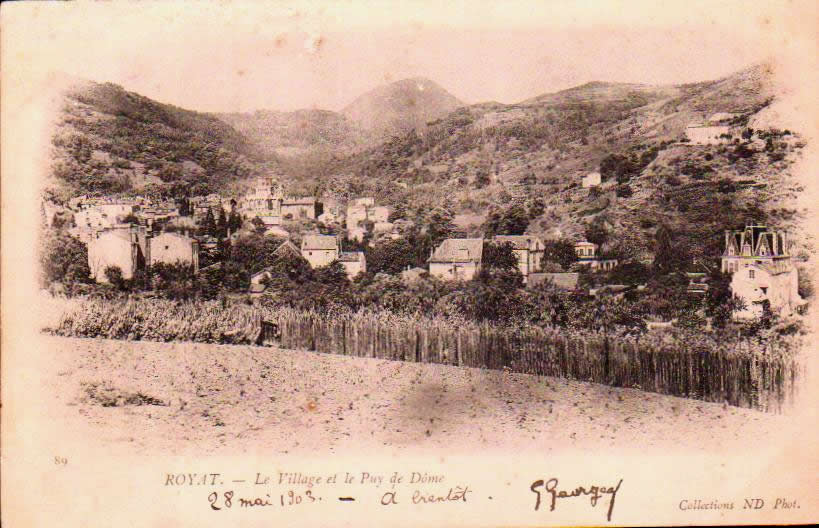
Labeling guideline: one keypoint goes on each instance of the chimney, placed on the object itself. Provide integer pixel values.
(195, 255)
(727, 239)
(148, 240)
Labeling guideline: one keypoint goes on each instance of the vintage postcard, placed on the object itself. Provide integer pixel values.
(361, 263)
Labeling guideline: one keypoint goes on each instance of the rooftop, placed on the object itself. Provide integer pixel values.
(458, 250)
(319, 242)
(350, 256)
(517, 241)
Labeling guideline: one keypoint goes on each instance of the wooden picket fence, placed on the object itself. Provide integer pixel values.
(763, 381)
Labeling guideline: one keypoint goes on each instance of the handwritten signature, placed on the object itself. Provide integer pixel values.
(594, 492)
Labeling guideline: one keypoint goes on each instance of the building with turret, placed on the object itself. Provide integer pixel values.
(264, 201)
(762, 271)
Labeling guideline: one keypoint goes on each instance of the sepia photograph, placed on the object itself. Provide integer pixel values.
(476, 264)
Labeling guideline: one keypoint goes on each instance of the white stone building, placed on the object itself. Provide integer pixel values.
(174, 248)
(354, 262)
(320, 250)
(592, 179)
(762, 271)
(587, 256)
(125, 247)
(457, 258)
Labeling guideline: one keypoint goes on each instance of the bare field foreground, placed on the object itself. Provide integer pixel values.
(190, 398)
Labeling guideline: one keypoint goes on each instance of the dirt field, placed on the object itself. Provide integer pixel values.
(185, 398)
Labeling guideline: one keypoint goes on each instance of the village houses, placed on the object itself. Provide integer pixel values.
(456, 258)
(363, 210)
(762, 269)
(173, 248)
(123, 247)
(354, 262)
(132, 248)
(266, 201)
(321, 250)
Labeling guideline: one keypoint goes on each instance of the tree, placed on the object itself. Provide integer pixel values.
(114, 276)
(499, 257)
(596, 231)
(630, 273)
(234, 223)
(331, 274)
(668, 256)
(389, 256)
(130, 218)
(440, 224)
(175, 281)
(560, 251)
(535, 208)
(221, 224)
(63, 259)
(398, 212)
(512, 220)
(624, 191)
(184, 206)
(482, 178)
(258, 225)
(209, 225)
(720, 302)
(255, 252)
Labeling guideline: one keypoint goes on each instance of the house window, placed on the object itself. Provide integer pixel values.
(750, 274)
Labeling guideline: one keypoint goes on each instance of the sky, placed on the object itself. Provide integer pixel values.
(231, 56)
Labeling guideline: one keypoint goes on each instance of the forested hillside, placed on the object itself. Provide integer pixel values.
(109, 140)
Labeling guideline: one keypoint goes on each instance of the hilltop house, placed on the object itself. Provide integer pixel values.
(762, 270)
(528, 250)
(587, 256)
(710, 131)
(456, 258)
(592, 179)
